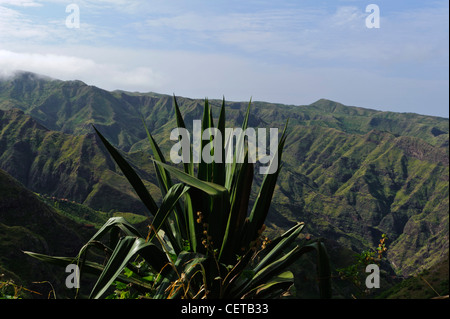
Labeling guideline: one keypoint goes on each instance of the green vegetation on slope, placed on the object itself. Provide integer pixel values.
(28, 223)
(62, 165)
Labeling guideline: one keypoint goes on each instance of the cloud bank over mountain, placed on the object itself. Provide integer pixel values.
(292, 53)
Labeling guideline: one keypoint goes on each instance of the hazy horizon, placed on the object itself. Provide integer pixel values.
(287, 52)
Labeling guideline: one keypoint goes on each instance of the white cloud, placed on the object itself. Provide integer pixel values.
(105, 6)
(18, 26)
(14, 25)
(66, 67)
(281, 31)
(349, 16)
(21, 3)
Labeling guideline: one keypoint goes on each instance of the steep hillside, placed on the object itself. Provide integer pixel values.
(430, 283)
(356, 187)
(26, 223)
(61, 165)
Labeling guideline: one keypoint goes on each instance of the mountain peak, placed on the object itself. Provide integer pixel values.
(26, 76)
(330, 106)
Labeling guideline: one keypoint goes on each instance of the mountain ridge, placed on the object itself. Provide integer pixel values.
(68, 106)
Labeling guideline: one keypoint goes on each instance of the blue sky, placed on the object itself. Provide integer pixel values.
(292, 52)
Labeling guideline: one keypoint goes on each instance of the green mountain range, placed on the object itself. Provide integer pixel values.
(351, 174)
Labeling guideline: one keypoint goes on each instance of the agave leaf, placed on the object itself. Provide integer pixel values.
(262, 203)
(272, 287)
(274, 291)
(188, 270)
(119, 223)
(113, 225)
(323, 267)
(155, 148)
(165, 182)
(163, 176)
(170, 200)
(272, 269)
(323, 270)
(126, 249)
(205, 169)
(285, 240)
(241, 194)
(188, 167)
(63, 261)
(175, 220)
(183, 263)
(219, 168)
(279, 264)
(230, 166)
(193, 202)
(131, 175)
(207, 187)
(233, 277)
(85, 267)
(217, 220)
(286, 234)
(191, 224)
(238, 212)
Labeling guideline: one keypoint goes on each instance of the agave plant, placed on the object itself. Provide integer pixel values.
(202, 242)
